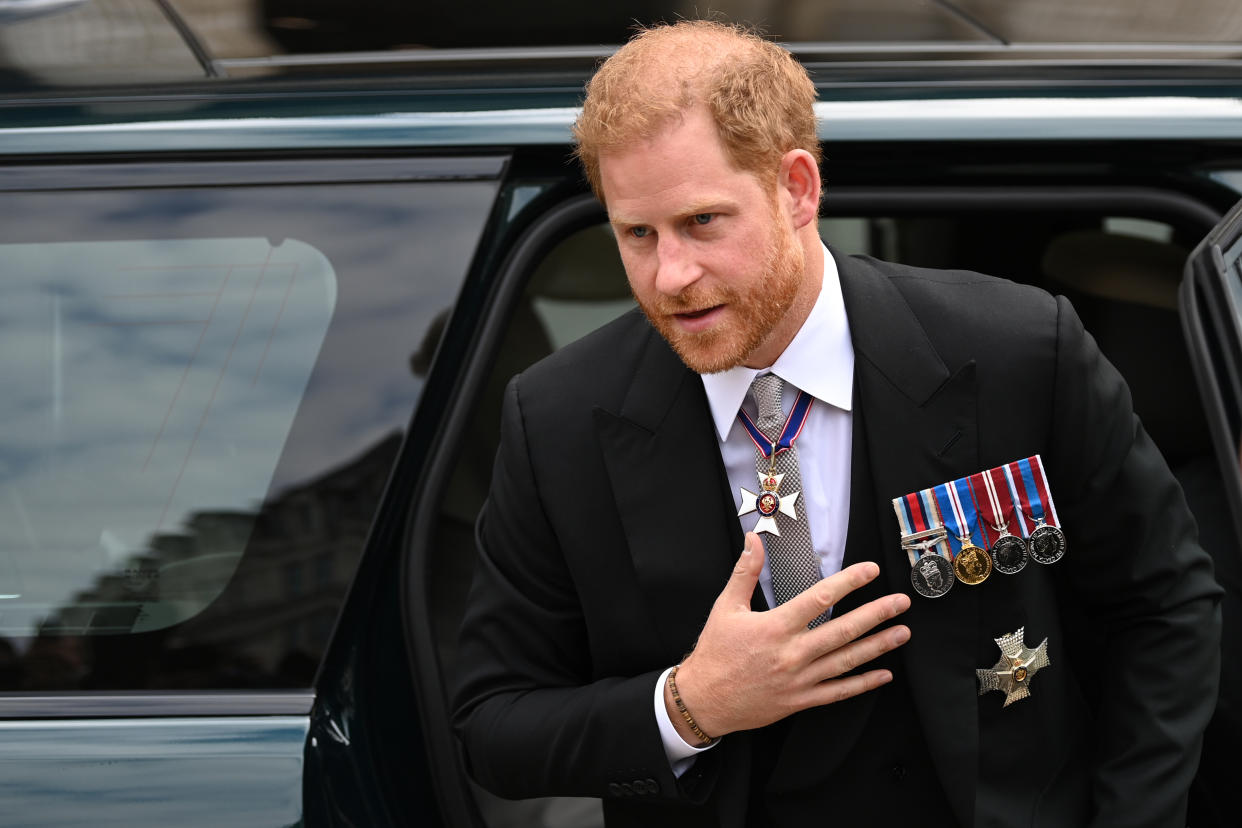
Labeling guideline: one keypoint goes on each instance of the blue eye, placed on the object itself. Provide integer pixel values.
(703, 218)
(639, 232)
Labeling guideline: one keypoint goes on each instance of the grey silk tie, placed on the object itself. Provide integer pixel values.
(791, 556)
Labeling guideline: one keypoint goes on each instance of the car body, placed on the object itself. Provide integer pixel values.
(260, 305)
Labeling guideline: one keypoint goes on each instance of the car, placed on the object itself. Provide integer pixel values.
(267, 271)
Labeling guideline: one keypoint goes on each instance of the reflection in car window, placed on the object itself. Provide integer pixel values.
(205, 389)
(150, 386)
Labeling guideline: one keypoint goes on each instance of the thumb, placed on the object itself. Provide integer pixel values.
(741, 584)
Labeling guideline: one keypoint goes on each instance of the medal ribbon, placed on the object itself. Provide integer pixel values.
(1041, 481)
(917, 512)
(792, 428)
(914, 516)
(936, 521)
(1027, 498)
(959, 513)
(952, 520)
(974, 485)
(904, 519)
(1032, 487)
(1020, 517)
(964, 500)
(1000, 501)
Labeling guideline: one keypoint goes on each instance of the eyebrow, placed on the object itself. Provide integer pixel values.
(695, 208)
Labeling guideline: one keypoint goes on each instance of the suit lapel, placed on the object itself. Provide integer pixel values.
(672, 495)
(920, 420)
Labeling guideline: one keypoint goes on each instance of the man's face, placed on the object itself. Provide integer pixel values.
(710, 258)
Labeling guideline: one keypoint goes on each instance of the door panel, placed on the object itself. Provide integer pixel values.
(120, 773)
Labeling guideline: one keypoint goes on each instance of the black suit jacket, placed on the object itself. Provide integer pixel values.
(610, 529)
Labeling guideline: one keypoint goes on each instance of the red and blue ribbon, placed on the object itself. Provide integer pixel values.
(792, 428)
(1030, 485)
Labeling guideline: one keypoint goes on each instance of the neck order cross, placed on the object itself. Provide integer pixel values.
(791, 555)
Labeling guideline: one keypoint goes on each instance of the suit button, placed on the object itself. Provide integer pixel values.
(653, 787)
(898, 772)
(614, 789)
(627, 788)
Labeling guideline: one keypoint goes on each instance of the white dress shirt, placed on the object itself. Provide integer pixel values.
(820, 361)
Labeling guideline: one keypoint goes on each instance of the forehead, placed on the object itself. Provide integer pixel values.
(681, 168)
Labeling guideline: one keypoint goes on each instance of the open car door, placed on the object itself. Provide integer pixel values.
(1211, 311)
(1211, 315)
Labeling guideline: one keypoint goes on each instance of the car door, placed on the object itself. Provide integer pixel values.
(209, 366)
(1211, 308)
(1211, 312)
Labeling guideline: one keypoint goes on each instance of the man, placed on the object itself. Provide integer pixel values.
(617, 645)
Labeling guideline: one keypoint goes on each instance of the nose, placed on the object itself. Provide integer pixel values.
(677, 267)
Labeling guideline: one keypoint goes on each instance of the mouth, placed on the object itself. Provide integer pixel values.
(697, 314)
(698, 320)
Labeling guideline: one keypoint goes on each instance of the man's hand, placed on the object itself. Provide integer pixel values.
(750, 669)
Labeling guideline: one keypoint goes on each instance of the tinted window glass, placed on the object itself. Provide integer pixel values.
(205, 391)
(147, 381)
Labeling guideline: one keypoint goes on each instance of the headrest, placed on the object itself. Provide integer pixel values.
(585, 267)
(1113, 266)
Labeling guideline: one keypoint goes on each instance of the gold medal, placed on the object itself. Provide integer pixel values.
(972, 565)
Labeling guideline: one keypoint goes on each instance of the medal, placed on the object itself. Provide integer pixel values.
(1009, 553)
(971, 565)
(769, 502)
(1046, 541)
(931, 574)
(1017, 666)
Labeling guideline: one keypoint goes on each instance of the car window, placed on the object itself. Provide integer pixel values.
(151, 386)
(205, 390)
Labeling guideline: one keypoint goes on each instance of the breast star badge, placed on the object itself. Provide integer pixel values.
(768, 502)
(1017, 666)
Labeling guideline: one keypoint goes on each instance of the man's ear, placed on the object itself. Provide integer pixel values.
(798, 180)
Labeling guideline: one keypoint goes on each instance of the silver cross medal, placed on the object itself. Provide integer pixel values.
(769, 501)
(1017, 666)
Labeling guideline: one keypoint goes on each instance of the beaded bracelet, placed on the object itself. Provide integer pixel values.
(685, 714)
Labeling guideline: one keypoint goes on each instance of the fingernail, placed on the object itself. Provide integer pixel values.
(901, 635)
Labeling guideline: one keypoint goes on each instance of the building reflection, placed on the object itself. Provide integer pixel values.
(291, 564)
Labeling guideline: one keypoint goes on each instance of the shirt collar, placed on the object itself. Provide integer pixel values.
(819, 359)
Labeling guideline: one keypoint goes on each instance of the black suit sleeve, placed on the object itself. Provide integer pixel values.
(533, 716)
(1144, 588)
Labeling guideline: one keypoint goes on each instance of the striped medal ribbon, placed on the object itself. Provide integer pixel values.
(1046, 541)
(971, 564)
(926, 542)
(1009, 552)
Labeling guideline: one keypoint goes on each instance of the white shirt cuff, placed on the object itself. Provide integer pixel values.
(680, 754)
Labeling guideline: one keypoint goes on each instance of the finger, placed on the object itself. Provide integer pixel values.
(805, 607)
(840, 689)
(741, 584)
(857, 653)
(857, 622)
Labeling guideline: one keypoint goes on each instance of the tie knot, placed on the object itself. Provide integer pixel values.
(767, 390)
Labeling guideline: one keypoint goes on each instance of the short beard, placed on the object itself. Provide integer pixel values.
(766, 301)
